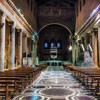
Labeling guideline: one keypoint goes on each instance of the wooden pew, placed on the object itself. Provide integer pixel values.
(8, 85)
(18, 78)
(89, 77)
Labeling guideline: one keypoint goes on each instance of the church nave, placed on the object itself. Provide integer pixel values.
(55, 85)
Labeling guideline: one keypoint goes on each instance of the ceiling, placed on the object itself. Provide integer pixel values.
(41, 2)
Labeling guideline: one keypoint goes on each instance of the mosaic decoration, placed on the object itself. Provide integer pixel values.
(55, 85)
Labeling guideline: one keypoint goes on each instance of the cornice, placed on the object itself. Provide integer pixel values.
(9, 5)
(90, 23)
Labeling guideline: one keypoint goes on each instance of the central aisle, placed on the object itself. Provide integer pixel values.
(55, 85)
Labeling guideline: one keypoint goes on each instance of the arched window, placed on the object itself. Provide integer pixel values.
(52, 43)
(58, 44)
(46, 44)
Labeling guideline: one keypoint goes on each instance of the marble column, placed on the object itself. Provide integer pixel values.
(20, 49)
(90, 39)
(95, 46)
(3, 28)
(35, 47)
(29, 44)
(25, 46)
(26, 49)
(99, 43)
(89, 44)
(13, 46)
(73, 51)
(85, 42)
(23, 42)
(77, 52)
(33, 53)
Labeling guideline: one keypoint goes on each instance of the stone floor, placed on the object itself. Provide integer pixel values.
(55, 85)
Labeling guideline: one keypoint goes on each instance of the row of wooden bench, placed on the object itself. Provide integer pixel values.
(89, 77)
(13, 82)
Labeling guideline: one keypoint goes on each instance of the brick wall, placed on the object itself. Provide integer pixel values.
(56, 13)
(85, 12)
(27, 11)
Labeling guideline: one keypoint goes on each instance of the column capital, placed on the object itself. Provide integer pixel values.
(24, 35)
(88, 33)
(2, 13)
(99, 26)
(14, 24)
(1, 25)
(19, 30)
(10, 23)
(2, 20)
(79, 41)
(95, 29)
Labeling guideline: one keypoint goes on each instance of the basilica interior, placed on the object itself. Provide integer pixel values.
(49, 49)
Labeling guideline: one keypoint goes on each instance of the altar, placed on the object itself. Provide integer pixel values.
(54, 62)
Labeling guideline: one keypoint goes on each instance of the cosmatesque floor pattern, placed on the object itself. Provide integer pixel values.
(55, 85)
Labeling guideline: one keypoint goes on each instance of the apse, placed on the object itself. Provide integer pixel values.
(54, 35)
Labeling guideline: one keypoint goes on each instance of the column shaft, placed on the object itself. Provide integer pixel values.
(13, 47)
(26, 50)
(99, 43)
(95, 48)
(26, 44)
(3, 21)
(20, 51)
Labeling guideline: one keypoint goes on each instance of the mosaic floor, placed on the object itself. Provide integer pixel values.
(55, 85)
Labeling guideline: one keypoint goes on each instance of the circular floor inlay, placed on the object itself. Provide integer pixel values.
(84, 98)
(32, 98)
(57, 92)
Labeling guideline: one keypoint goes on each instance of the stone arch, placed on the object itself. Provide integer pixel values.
(56, 24)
